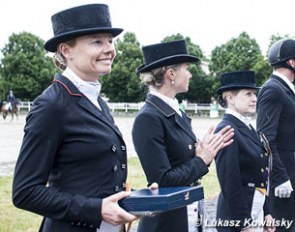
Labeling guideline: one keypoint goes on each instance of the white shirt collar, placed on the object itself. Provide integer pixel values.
(90, 89)
(286, 80)
(244, 119)
(172, 102)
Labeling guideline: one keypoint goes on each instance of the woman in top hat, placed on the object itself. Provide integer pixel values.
(72, 164)
(243, 167)
(163, 136)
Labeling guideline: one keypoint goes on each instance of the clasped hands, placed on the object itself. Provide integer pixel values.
(213, 142)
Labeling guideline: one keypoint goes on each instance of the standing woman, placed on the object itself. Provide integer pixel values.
(72, 164)
(242, 167)
(163, 136)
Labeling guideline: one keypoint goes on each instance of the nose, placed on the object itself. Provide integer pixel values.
(109, 50)
(254, 98)
(109, 47)
(189, 75)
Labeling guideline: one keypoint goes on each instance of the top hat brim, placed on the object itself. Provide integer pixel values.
(176, 59)
(235, 87)
(51, 44)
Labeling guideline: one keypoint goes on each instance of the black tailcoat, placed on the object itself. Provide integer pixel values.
(72, 156)
(241, 167)
(165, 144)
(276, 119)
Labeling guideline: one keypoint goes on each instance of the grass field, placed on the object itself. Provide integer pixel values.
(16, 220)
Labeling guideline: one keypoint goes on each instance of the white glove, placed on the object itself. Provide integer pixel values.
(284, 190)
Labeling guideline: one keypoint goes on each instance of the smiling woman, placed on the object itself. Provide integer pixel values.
(82, 172)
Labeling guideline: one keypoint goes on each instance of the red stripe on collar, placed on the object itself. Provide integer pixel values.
(69, 91)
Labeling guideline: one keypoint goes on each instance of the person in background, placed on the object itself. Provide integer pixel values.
(10, 101)
(72, 164)
(242, 167)
(167, 147)
(275, 118)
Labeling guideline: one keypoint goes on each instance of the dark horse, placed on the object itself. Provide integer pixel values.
(12, 111)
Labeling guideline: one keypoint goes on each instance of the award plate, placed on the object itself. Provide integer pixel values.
(146, 202)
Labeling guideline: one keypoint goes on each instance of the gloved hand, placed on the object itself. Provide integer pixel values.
(284, 190)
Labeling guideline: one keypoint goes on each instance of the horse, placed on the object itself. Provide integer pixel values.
(12, 111)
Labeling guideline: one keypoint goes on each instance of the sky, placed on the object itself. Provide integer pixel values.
(209, 23)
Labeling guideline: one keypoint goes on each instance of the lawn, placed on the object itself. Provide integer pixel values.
(16, 220)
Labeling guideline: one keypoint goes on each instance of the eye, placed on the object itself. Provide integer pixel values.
(97, 41)
(251, 93)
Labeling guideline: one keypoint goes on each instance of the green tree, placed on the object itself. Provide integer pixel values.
(2, 94)
(26, 69)
(241, 53)
(123, 84)
(200, 83)
(262, 70)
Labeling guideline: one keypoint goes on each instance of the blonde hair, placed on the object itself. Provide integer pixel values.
(222, 100)
(155, 77)
(58, 59)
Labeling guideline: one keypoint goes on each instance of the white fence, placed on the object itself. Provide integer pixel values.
(202, 109)
(25, 106)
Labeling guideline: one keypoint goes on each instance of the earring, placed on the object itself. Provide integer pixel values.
(172, 82)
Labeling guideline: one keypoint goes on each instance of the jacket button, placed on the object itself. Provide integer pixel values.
(124, 185)
(123, 166)
(116, 188)
(91, 226)
(190, 146)
(115, 168)
(114, 148)
(261, 155)
(123, 148)
(262, 170)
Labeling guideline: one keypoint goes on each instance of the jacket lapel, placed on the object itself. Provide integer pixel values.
(244, 129)
(183, 122)
(85, 103)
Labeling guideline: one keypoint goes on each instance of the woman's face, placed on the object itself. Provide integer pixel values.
(244, 102)
(182, 78)
(91, 56)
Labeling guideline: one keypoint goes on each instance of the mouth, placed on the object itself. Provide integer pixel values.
(105, 61)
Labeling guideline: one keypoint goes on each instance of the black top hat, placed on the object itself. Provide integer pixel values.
(237, 80)
(79, 21)
(162, 54)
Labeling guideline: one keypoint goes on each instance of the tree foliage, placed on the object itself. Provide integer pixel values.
(241, 53)
(123, 84)
(25, 67)
(28, 70)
